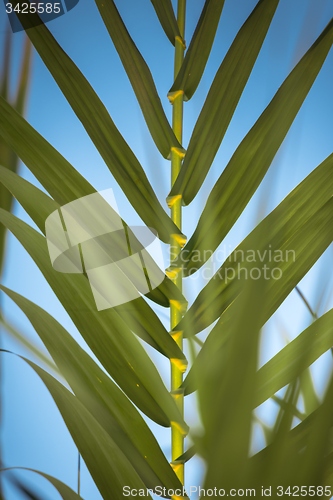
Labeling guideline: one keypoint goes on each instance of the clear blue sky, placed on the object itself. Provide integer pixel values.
(33, 433)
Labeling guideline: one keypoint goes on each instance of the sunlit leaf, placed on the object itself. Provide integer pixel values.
(100, 395)
(308, 243)
(109, 468)
(228, 427)
(295, 357)
(137, 314)
(252, 158)
(58, 176)
(222, 100)
(199, 49)
(105, 332)
(165, 13)
(113, 148)
(140, 78)
(275, 230)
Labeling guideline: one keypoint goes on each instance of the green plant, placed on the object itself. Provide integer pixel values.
(112, 437)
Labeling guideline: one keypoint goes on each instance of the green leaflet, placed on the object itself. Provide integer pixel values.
(109, 468)
(105, 332)
(282, 223)
(295, 357)
(55, 173)
(228, 428)
(137, 314)
(101, 397)
(289, 445)
(116, 153)
(58, 176)
(308, 242)
(198, 52)
(140, 78)
(254, 155)
(64, 490)
(165, 14)
(307, 466)
(222, 100)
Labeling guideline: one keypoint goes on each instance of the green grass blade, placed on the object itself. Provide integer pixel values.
(166, 15)
(52, 170)
(140, 78)
(297, 356)
(250, 162)
(105, 332)
(58, 176)
(312, 462)
(280, 225)
(114, 150)
(137, 314)
(198, 52)
(293, 444)
(98, 393)
(222, 100)
(65, 491)
(109, 468)
(227, 384)
(309, 242)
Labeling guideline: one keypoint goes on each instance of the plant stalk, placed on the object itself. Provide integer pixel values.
(177, 437)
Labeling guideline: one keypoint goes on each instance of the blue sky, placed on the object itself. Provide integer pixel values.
(33, 433)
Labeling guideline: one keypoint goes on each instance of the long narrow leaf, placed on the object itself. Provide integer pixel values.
(254, 155)
(137, 314)
(101, 397)
(308, 243)
(116, 153)
(165, 13)
(109, 468)
(295, 357)
(198, 52)
(140, 78)
(105, 332)
(222, 100)
(59, 177)
(228, 427)
(280, 225)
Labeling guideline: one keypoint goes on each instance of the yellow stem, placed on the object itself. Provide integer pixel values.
(177, 438)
